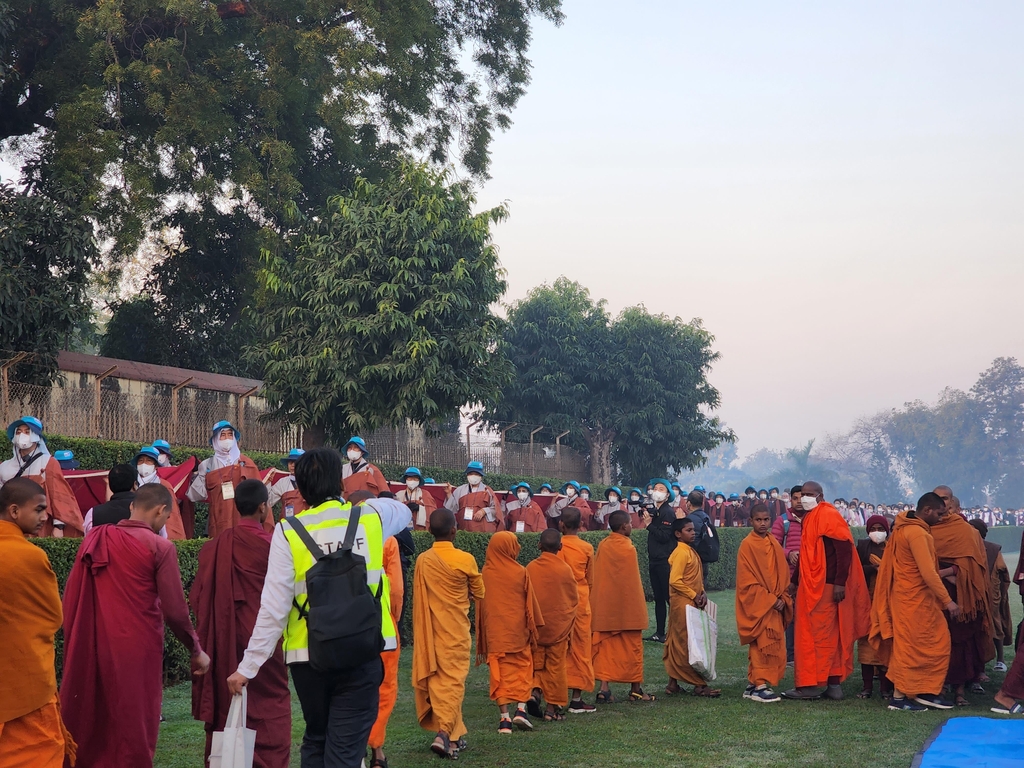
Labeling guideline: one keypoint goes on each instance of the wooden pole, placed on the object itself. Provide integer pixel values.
(5, 392)
(98, 402)
(558, 452)
(533, 460)
(174, 407)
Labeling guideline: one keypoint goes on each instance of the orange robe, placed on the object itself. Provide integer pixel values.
(558, 596)
(366, 478)
(61, 503)
(620, 612)
(762, 578)
(825, 631)
(445, 579)
(579, 664)
(506, 624)
(685, 582)
(31, 731)
(389, 686)
(908, 627)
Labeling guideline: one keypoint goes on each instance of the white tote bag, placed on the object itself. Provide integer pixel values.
(702, 640)
(234, 746)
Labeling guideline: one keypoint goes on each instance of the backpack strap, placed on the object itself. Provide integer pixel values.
(28, 463)
(352, 528)
(300, 529)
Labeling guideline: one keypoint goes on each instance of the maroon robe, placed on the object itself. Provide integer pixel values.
(531, 516)
(125, 583)
(223, 513)
(225, 597)
(480, 500)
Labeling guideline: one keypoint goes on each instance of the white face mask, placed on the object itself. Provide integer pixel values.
(751, 495)
(474, 479)
(775, 495)
(764, 496)
(878, 536)
(412, 485)
(23, 442)
(585, 496)
(226, 444)
(570, 491)
(523, 495)
(659, 496)
(146, 470)
(165, 460)
(613, 499)
(719, 502)
(634, 499)
(808, 502)
(354, 455)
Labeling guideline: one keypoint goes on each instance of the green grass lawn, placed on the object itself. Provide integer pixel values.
(681, 730)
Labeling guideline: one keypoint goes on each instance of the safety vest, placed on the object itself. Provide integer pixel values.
(327, 524)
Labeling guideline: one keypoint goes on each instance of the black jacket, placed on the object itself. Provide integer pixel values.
(661, 542)
(113, 511)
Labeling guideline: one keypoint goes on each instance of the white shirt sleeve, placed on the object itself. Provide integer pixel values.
(277, 490)
(452, 503)
(87, 526)
(395, 517)
(197, 491)
(275, 605)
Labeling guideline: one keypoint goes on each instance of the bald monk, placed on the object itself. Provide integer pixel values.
(225, 599)
(763, 606)
(579, 664)
(686, 587)
(31, 730)
(506, 630)
(389, 686)
(558, 596)
(620, 613)
(124, 584)
(833, 609)
(964, 568)
(445, 580)
(908, 630)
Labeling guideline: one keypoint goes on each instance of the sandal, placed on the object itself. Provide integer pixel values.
(705, 692)
(1016, 709)
(670, 691)
(640, 696)
(553, 717)
(865, 694)
(961, 701)
(442, 747)
(382, 763)
(977, 688)
(605, 697)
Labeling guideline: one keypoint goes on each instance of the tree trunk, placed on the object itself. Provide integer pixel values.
(314, 436)
(601, 441)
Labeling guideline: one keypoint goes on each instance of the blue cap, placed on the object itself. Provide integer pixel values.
(147, 450)
(66, 459)
(224, 425)
(163, 446)
(475, 466)
(585, 488)
(545, 487)
(573, 483)
(293, 455)
(734, 497)
(413, 472)
(359, 443)
(523, 484)
(615, 488)
(699, 488)
(668, 486)
(636, 491)
(429, 481)
(31, 422)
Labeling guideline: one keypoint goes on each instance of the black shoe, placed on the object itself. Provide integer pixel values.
(655, 638)
(933, 701)
(906, 705)
(533, 707)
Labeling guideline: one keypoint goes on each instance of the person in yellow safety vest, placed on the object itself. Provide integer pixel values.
(339, 708)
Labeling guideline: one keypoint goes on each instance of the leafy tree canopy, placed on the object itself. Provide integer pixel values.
(377, 311)
(46, 252)
(633, 391)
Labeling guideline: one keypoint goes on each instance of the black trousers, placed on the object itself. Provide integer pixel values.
(659, 586)
(340, 710)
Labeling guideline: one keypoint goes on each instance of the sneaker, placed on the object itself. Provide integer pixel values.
(655, 638)
(933, 701)
(764, 696)
(1000, 666)
(580, 707)
(505, 725)
(748, 691)
(521, 722)
(906, 705)
(533, 707)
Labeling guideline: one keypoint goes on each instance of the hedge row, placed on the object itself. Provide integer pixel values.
(720, 575)
(103, 454)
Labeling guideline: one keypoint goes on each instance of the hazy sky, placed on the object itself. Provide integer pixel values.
(835, 183)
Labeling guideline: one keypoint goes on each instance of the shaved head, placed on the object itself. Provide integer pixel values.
(442, 524)
(812, 488)
(550, 541)
(570, 518)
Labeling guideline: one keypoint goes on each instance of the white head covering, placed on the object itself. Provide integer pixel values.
(226, 458)
(12, 466)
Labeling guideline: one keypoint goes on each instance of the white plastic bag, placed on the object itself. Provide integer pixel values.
(702, 639)
(234, 746)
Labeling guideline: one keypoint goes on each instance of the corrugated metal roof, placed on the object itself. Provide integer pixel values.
(77, 362)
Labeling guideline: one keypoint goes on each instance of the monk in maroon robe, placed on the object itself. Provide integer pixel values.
(225, 597)
(125, 583)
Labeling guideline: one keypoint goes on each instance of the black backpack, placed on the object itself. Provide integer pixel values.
(708, 545)
(342, 615)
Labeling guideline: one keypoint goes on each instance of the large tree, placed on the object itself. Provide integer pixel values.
(377, 311)
(632, 392)
(46, 252)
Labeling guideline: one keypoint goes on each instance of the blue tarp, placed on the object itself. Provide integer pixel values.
(978, 742)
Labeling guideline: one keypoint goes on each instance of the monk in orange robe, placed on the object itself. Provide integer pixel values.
(359, 474)
(963, 565)
(833, 609)
(908, 629)
(31, 730)
(763, 606)
(506, 630)
(558, 596)
(579, 665)
(620, 613)
(444, 582)
(389, 686)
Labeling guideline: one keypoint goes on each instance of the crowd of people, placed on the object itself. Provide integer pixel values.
(921, 604)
